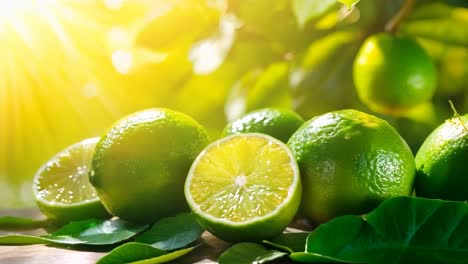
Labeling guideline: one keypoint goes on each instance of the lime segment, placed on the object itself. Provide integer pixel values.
(244, 182)
(62, 188)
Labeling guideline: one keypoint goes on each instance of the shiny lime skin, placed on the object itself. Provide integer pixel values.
(350, 161)
(393, 74)
(278, 123)
(441, 162)
(140, 164)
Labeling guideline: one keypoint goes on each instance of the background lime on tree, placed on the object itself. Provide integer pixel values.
(296, 46)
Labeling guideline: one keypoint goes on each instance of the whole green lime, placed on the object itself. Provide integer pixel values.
(350, 161)
(278, 123)
(140, 164)
(393, 74)
(440, 162)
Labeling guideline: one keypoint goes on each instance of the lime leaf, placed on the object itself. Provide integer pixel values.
(98, 232)
(438, 22)
(87, 232)
(172, 232)
(140, 253)
(260, 89)
(14, 222)
(349, 3)
(31, 240)
(306, 10)
(247, 253)
(289, 242)
(195, 18)
(305, 257)
(400, 230)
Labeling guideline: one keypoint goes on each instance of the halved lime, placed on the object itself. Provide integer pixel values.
(62, 188)
(244, 187)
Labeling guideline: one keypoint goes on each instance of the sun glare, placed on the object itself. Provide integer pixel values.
(9, 8)
(58, 82)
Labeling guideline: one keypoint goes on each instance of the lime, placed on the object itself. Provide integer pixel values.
(62, 189)
(350, 161)
(393, 74)
(278, 123)
(440, 162)
(140, 164)
(244, 187)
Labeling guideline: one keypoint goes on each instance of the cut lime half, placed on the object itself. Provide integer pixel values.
(61, 186)
(244, 187)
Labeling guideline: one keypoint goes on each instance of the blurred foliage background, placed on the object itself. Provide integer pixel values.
(68, 68)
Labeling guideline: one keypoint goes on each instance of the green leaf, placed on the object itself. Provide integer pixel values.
(438, 22)
(87, 232)
(194, 18)
(306, 10)
(349, 3)
(305, 257)
(138, 253)
(400, 230)
(14, 222)
(172, 232)
(31, 240)
(289, 242)
(247, 253)
(461, 3)
(100, 232)
(259, 89)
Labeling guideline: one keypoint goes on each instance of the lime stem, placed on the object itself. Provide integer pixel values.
(392, 25)
(455, 113)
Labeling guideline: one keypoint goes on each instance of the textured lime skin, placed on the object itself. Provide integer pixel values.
(393, 74)
(441, 162)
(140, 164)
(350, 162)
(258, 229)
(278, 123)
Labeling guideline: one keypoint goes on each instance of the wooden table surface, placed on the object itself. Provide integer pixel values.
(207, 253)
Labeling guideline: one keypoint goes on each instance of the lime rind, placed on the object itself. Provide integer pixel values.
(255, 227)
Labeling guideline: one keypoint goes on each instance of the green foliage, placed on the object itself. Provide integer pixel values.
(349, 3)
(195, 18)
(289, 242)
(247, 253)
(155, 245)
(138, 253)
(400, 230)
(172, 232)
(87, 232)
(440, 22)
(307, 10)
(259, 89)
(31, 240)
(13, 222)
